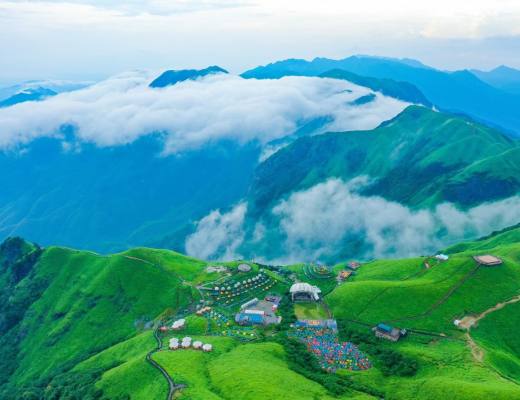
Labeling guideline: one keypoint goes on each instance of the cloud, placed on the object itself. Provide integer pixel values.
(218, 235)
(192, 113)
(331, 219)
(321, 220)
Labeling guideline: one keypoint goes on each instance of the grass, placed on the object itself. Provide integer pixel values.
(496, 334)
(94, 302)
(96, 312)
(310, 311)
(127, 372)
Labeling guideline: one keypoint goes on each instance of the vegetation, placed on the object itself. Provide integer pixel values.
(389, 361)
(83, 327)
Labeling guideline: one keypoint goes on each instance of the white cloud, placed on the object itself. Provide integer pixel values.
(218, 235)
(318, 222)
(328, 218)
(193, 113)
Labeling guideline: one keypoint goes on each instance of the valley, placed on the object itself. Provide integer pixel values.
(108, 335)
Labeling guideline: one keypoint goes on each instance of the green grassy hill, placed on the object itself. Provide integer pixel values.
(77, 325)
(420, 158)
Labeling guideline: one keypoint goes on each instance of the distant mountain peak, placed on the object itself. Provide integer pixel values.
(28, 94)
(172, 77)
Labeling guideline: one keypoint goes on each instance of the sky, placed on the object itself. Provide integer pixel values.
(93, 39)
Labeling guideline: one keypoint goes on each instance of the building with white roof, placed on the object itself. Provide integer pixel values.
(302, 291)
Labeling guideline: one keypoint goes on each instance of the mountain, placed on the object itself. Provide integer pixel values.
(120, 196)
(36, 94)
(398, 90)
(419, 158)
(407, 166)
(502, 77)
(172, 77)
(151, 191)
(458, 92)
(57, 86)
(76, 324)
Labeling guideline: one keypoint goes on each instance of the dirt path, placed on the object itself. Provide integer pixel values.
(470, 321)
(476, 351)
(496, 307)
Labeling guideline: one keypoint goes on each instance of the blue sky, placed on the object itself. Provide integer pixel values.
(81, 39)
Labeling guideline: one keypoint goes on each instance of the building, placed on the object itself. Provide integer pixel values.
(343, 275)
(248, 304)
(488, 260)
(244, 268)
(257, 312)
(246, 319)
(387, 332)
(274, 300)
(304, 292)
(442, 257)
(216, 268)
(354, 265)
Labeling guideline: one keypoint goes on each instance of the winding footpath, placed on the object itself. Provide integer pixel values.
(172, 387)
(477, 352)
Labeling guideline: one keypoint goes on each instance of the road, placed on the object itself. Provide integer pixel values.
(172, 386)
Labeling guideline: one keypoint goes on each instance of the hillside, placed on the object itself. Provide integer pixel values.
(120, 196)
(399, 90)
(83, 325)
(459, 91)
(142, 175)
(419, 158)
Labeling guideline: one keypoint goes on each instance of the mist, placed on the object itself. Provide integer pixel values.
(192, 114)
(324, 221)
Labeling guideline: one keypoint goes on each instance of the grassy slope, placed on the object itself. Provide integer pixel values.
(95, 302)
(92, 315)
(127, 372)
(420, 158)
(496, 334)
(248, 372)
(400, 288)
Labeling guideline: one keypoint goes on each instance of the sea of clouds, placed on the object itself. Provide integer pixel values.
(319, 223)
(191, 114)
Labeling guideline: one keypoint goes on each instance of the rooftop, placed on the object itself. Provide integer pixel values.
(487, 259)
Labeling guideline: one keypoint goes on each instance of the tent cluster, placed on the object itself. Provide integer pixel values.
(231, 289)
(331, 354)
(186, 343)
